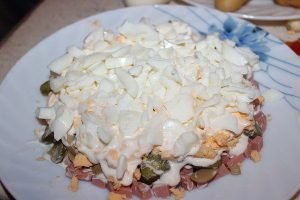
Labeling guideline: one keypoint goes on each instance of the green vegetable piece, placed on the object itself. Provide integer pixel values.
(204, 175)
(148, 176)
(48, 136)
(57, 152)
(45, 88)
(253, 131)
(151, 165)
(96, 169)
(157, 162)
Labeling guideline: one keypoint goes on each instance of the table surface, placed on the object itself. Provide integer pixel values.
(51, 15)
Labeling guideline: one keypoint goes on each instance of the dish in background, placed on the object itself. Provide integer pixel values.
(277, 172)
(144, 2)
(265, 10)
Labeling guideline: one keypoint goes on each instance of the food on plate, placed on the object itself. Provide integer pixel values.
(293, 25)
(229, 5)
(152, 110)
(74, 184)
(295, 3)
(255, 156)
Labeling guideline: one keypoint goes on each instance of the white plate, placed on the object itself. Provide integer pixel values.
(275, 177)
(257, 10)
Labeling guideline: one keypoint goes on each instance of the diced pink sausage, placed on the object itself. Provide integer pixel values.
(161, 191)
(235, 160)
(186, 182)
(257, 143)
(141, 190)
(261, 120)
(225, 158)
(98, 182)
(222, 171)
(186, 171)
(248, 150)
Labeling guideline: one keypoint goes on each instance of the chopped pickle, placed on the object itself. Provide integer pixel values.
(152, 166)
(157, 162)
(48, 136)
(96, 169)
(57, 152)
(253, 131)
(45, 88)
(148, 176)
(204, 175)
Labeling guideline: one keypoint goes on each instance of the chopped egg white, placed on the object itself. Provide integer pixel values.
(123, 93)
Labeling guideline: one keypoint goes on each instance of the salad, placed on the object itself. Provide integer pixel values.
(152, 110)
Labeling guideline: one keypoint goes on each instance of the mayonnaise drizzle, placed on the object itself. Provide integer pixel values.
(147, 86)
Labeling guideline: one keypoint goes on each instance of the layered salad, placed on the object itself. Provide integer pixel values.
(152, 110)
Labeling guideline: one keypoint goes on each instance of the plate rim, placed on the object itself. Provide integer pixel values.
(3, 83)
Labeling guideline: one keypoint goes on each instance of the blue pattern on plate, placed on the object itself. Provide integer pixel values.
(259, 41)
(244, 35)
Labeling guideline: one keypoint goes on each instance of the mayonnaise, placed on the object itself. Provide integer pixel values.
(123, 93)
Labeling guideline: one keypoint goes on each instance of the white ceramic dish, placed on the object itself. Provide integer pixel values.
(275, 177)
(265, 10)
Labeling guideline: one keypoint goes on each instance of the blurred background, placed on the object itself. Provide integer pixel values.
(12, 12)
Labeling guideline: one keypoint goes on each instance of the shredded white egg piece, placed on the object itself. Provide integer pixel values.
(166, 86)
